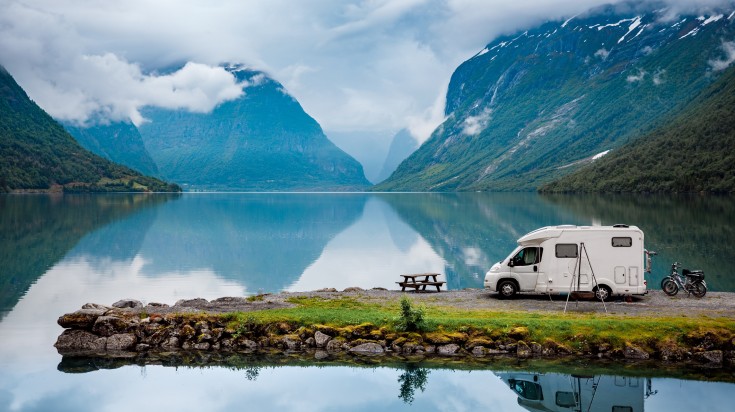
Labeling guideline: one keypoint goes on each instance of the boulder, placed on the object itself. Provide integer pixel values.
(291, 342)
(81, 319)
(634, 352)
(354, 289)
(142, 347)
(202, 346)
(334, 345)
(710, 356)
(74, 339)
(109, 325)
(128, 303)
(448, 350)
(321, 354)
(121, 341)
(321, 339)
(310, 342)
(246, 344)
(96, 306)
(479, 351)
(523, 350)
(371, 348)
(326, 290)
(170, 343)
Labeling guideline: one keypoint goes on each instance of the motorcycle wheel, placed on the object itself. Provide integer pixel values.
(664, 280)
(670, 287)
(699, 289)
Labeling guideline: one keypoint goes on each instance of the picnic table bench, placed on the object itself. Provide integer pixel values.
(420, 281)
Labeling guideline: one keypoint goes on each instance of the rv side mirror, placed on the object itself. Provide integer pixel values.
(510, 263)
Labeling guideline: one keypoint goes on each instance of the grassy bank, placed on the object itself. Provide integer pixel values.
(586, 333)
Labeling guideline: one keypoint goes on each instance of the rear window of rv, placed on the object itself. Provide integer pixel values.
(566, 250)
(622, 242)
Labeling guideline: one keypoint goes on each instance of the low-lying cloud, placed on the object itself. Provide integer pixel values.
(728, 47)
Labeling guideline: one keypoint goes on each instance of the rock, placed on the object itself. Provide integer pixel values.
(368, 348)
(519, 333)
(128, 303)
(96, 306)
(310, 342)
(496, 352)
(246, 344)
(478, 351)
(192, 303)
(321, 339)
(536, 348)
(430, 349)
(634, 352)
(81, 319)
(523, 350)
(121, 341)
(334, 345)
(202, 346)
(142, 347)
(354, 289)
(74, 339)
(321, 354)
(157, 305)
(291, 342)
(170, 343)
(448, 350)
(326, 290)
(379, 288)
(109, 325)
(710, 356)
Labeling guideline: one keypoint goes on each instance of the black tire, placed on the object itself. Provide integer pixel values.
(699, 289)
(670, 287)
(507, 289)
(603, 293)
(664, 280)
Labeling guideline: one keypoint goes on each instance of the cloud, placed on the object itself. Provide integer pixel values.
(353, 65)
(602, 53)
(658, 77)
(474, 125)
(634, 78)
(723, 63)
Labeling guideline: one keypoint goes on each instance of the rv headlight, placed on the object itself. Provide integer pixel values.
(495, 268)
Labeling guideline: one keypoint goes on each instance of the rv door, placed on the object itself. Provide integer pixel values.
(525, 266)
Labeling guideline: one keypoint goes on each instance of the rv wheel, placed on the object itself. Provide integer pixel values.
(507, 289)
(603, 292)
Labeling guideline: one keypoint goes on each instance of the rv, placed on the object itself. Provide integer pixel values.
(602, 260)
(561, 393)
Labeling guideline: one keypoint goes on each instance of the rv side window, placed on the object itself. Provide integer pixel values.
(566, 250)
(622, 242)
(527, 256)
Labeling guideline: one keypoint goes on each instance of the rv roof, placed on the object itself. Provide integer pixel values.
(549, 232)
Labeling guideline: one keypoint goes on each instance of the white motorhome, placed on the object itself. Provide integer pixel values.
(561, 393)
(563, 259)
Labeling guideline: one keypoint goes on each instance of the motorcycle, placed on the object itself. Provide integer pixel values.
(692, 282)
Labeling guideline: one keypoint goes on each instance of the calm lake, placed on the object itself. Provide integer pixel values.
(59, 252)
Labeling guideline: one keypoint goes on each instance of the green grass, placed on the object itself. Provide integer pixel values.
(578, 331)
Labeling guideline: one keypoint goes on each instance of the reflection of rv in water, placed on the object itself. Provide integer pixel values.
(557, 392)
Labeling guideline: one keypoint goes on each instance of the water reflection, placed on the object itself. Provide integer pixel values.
(357, 383)
(37, 231)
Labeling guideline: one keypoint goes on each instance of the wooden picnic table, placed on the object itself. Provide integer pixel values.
(420, 281)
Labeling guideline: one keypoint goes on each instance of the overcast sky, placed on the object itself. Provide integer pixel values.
(371, 65)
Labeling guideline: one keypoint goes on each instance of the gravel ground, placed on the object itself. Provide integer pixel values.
(655, 303)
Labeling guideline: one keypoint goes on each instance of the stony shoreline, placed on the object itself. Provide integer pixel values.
(130, 327)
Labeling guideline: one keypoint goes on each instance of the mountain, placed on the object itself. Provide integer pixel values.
(693, 152)
(401, 147)
(36, 153)
(532, 106)
(119, 142)
(367, 147)
(261, 141)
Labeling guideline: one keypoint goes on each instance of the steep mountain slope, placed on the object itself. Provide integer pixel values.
(529, 107)
(36, 153)
(693, 152)
(117, 141)
(401, 147)
(260, 141)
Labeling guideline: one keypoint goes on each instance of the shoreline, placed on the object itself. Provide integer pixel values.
(465, 326)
